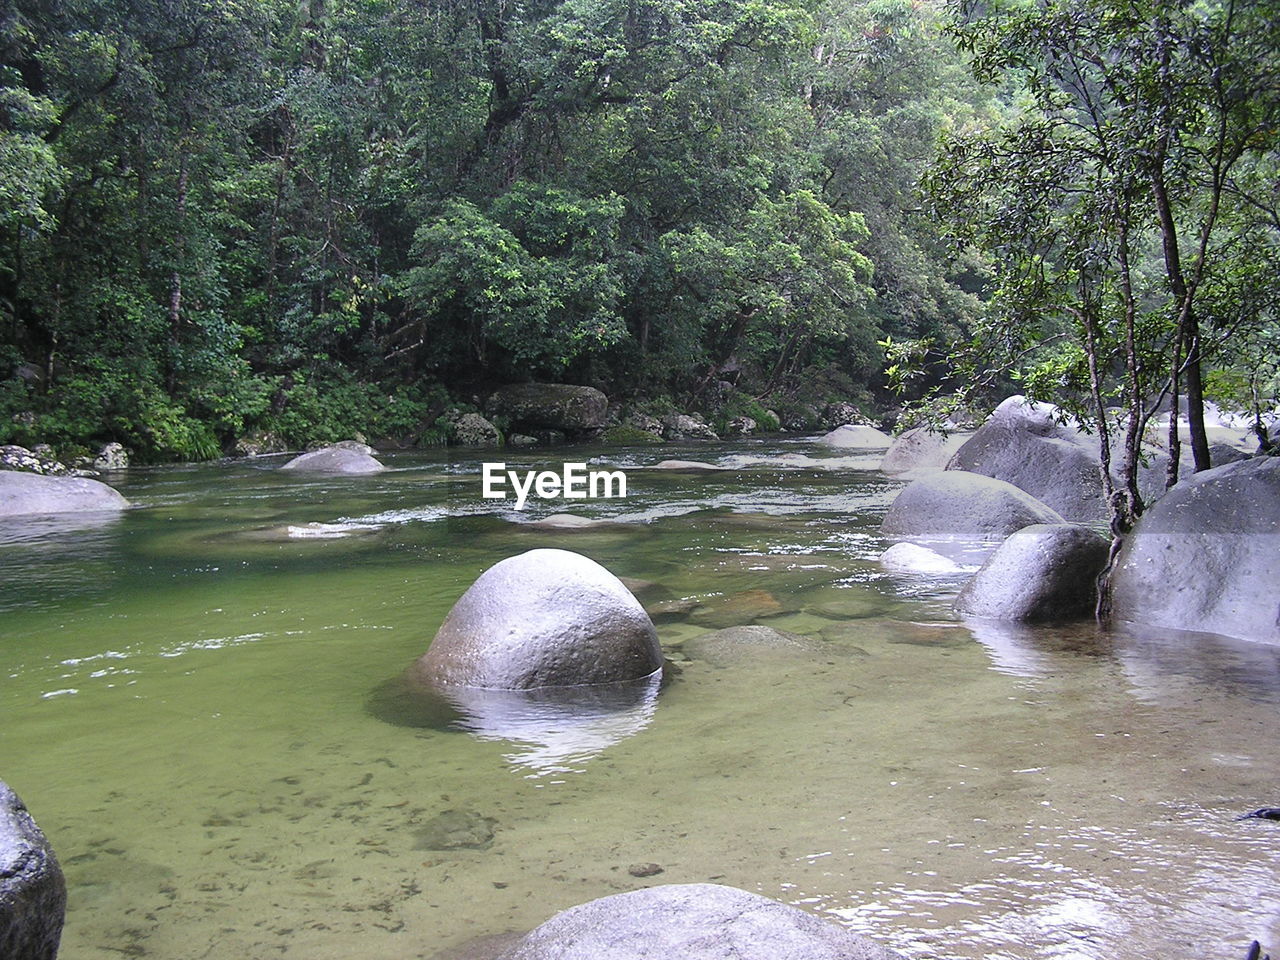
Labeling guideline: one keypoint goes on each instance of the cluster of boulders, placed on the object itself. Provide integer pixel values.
(33, 482)
(1203, 557)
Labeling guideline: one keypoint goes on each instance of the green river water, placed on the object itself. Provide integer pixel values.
(192, 706)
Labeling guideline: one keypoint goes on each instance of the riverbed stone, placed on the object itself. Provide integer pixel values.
(921, 448)
(736, 608)
(857, 436)
(956, 502)
(335, 460)
(573, 410)
(736, 644)
(688, 466)
(1028, 444)
(1206, 556)
(24, 494)
(456, 830)
(112, 456)
(1041, 573)
(33, 893)
(696, 921)
(545, 618)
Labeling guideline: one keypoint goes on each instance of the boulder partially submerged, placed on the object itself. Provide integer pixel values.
(696, 921)
(1206, 556)
(29, 494)
(1042, 573)
(921, 448)
(955, 502)
(530, 407)
(545, 618)
(335, 460)
(33, 893)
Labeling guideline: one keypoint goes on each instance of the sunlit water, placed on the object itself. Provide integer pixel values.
(195, 708)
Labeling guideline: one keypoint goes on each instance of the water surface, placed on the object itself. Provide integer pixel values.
(194, 708)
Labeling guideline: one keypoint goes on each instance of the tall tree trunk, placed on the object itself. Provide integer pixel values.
(175, 277)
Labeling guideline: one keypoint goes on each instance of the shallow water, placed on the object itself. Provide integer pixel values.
(195, 708)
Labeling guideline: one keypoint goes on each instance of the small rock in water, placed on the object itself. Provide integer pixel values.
(644, 869)
(456, 830)
(664, 611)
(737, 608)
(1263, 813)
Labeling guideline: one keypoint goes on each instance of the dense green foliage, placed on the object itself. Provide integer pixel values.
(310, 217)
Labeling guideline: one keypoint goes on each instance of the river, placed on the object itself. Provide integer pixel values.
(194, 709)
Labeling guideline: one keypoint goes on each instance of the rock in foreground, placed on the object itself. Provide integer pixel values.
(335, 460)
(23, 494)
(954, 502)
(545, 618)
(1206, 556)
(696, 921)
(33, 894)
(1045, 572)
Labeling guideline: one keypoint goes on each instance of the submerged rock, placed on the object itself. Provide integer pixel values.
(1042, 573)
(696, 921)
(690, 466)
(335, 460)
(23, 494)
(33, 893)
(736, 608)
(545, 618)
(734, 644)
(957, 502)
(913, 558)
(456, 830)
(1206, 556)
(857, 436)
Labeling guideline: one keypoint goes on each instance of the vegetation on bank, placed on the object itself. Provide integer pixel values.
(306, 220)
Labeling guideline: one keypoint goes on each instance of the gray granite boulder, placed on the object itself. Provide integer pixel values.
(695, 921)
(921, 449)
(113, 456)
(1042, 573)
(913, 558)
(14, 457)
(571, 409)
(33, 894)
(473, 430)
(335, 460)
(30, 493)
(1206, 556)
(1025, 444)
(857, 436)
(954, 502)
(683, 426)
(545, 618)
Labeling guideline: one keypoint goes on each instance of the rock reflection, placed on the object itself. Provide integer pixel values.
(1033, 651)
(1160, 662)
(553, 730)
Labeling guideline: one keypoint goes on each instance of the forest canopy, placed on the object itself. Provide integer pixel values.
(318, 217)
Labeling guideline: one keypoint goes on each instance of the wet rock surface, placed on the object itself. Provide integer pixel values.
(456, 830)
(699, 921)
(335, 460)
(961, 503)
(1042, 573)
(857, 436)
(1206, 556)
(33, 894)
(31, 494)
(921, 449)
(546, 618)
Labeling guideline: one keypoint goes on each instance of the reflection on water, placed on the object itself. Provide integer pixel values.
(556, 730)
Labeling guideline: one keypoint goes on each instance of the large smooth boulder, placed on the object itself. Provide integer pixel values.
(1042, 573)
(30, 493)
(694, 921)
(857, 436)
(335, 460)
(571, 409)
(33, 893)
(1026, 444)
(954, 502)
(921, 448)
(545, 618)
(1206, 556)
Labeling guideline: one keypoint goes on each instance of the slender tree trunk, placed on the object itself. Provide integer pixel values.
(175, 278)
